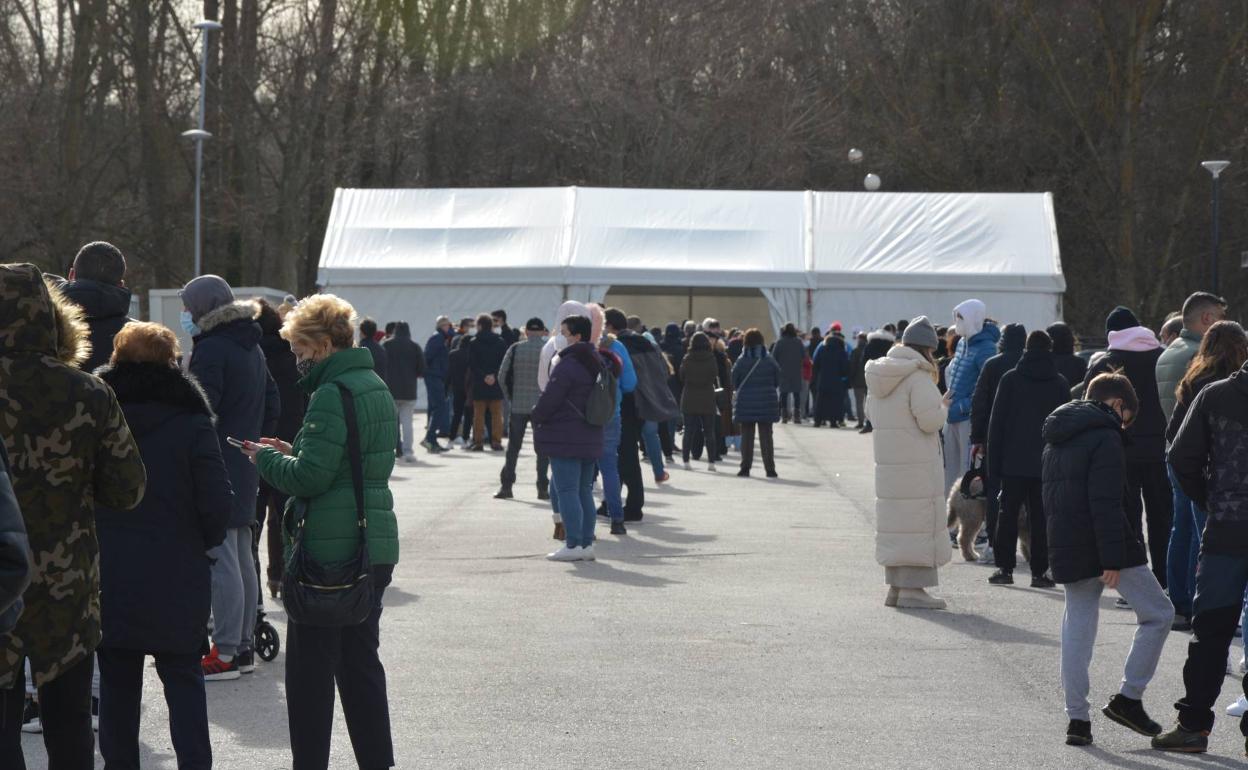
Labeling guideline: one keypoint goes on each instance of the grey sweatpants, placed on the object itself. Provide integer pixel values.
(1153, 611)
(235, 591)
(957, 451)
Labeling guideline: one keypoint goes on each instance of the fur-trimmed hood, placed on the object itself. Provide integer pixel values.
(151, 383)
(240, 310)
(37, 318)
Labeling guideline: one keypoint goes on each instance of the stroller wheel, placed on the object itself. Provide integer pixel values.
(268, 643)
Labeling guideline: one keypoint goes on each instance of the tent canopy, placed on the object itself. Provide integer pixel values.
(864, 258)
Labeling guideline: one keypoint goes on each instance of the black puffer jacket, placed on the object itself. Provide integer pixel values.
(155, 577)
(1084, 475)
(381, 363)
(1146, 438)
(1026, 397)
(1013, 338)
(15, 567)
(485, 356)
(280, 360)
(106, 308)
(1211, 465)
(405, 364)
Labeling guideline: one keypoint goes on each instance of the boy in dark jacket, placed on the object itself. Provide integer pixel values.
(1211, 466)
(1093, 546)
(1026, 396)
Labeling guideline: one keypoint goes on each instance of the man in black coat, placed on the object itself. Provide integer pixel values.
(1026, 396)
(1093, 546)
(97, 284)
(1134, 350)
(368, 339)
(1013, 338)
(405, 362)
(485, 356)
(615, 322)
(509, 335)
(1210, 462)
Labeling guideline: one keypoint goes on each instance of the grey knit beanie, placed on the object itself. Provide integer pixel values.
(921, 332)
(205, 294)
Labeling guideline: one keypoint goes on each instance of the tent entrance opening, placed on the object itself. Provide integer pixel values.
(660, 305)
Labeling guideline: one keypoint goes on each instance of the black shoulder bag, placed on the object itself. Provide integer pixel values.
(339, 593)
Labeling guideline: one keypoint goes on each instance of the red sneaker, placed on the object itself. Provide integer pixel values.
(217, 670)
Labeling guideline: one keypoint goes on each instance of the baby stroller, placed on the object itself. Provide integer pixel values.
(265, 640)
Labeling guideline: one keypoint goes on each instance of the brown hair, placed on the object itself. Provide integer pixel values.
(319, 317)
(1113, 385)
(754, 337)
(1223, 350)
(142, 342)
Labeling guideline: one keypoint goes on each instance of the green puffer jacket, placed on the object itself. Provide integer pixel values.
(319, 471)
(1173, 365)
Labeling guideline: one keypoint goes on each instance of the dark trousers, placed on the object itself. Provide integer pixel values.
(1149, 495)
(1220, 582)
(461, 416)
(860, 405)
(121, 694)
(830, 407)
(992, 490)
(795, 397)
(666, 440)
(270, 505)
(1015, 493)
(700, 429)
(519, 423)
(630, 461)
(64, 707)
(764, 439)
(316, 658)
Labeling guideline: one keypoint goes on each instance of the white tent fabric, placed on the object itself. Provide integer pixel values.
(861, 258)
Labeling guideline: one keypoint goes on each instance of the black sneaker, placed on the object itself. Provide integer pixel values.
(1042, 581)
(634, 517)
(31, 723)
(1002, 577)
(1182, 740)
(95, 713)
(503, 493)
(543, 493)
(246, 661)
(867, 429)
(1181, 623)
(618, 528)
(773, 475)
(1079, 733)
(1130, 713)
(603, 512)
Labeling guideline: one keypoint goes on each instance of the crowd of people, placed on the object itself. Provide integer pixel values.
(1124, 469)
(1128, 464)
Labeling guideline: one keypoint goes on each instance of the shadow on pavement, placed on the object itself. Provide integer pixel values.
(609, 574)
(397, 597)
(980, 627)
(657, 528)
(1164, 759)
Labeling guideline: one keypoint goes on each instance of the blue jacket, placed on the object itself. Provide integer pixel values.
(964, 369)
(831, 368)
(627, 382)
(230, 367)
(437, 356)
(758, 394)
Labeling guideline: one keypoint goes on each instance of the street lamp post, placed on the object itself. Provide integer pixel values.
(199, 135)
(1215, 167)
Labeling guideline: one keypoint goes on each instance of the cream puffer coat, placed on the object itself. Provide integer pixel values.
(907, 414)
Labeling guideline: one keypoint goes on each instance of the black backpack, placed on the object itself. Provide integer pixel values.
(600, 407)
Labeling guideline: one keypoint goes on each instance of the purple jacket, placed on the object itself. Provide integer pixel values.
(559, 427)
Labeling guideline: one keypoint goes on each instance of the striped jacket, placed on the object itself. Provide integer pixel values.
(518, 374)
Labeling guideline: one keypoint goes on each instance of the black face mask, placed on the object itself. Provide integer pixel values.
(304, 367)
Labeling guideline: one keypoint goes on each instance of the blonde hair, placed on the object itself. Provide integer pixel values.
(321, 317)
(142, 342)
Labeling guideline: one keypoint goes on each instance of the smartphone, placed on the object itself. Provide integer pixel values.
(235, 442)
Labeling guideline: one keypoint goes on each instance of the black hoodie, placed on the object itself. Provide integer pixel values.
(1072, 367)
(106, 308)
(1210, 461)
(1084, 472)
(1013, 339)
(1026, 396)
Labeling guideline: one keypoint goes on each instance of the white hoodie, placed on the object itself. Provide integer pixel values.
(973, 313)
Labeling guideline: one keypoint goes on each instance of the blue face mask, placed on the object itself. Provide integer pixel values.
(188, 325)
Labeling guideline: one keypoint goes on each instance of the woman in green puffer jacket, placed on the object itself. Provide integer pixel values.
(316, 469)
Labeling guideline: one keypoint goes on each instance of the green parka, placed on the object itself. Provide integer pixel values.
(319, 471)
(1173, 365)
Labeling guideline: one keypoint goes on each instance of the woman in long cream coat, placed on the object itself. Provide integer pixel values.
(911, 540)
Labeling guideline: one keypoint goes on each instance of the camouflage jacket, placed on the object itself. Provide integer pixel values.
(70, 448)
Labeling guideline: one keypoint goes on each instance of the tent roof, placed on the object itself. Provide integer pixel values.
(576, 235)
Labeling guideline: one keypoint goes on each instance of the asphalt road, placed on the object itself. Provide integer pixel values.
(741, 625)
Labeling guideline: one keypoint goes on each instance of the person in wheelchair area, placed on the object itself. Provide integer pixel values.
(155, 575)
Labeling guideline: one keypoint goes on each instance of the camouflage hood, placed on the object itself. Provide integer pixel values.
(37, 319)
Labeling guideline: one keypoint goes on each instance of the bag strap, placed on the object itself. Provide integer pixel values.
(750, 372)
(354, 456)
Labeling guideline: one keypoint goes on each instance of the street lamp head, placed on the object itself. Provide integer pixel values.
(208, 25)
(855, 156)
(196, 135)
(1216, 167)
(871, 182)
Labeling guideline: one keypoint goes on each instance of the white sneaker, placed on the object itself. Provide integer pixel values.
(459, 441)
(710, 467)
(566, 554)
(688, 466)
(587, 553)
(409, 459)
(987, 557)
(1238, 708)
(33, 727)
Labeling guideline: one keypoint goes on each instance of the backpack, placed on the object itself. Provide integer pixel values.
(600, 407)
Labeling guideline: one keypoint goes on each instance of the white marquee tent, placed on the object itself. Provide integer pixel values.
(861, 258)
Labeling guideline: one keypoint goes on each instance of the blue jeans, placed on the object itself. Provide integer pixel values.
(609, 467)
(1185, 535)
(439, 408)
(573, 480)
(654, 451)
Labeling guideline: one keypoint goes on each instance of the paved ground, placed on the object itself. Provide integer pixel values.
(741, 625)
